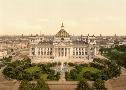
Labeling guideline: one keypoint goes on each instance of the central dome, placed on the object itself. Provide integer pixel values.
(62, 33)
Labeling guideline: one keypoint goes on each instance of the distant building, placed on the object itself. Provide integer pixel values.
(63, 46)
(3, 54)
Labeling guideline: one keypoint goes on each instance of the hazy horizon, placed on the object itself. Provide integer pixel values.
(106, 17)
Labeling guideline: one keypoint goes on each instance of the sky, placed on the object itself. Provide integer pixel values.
(106, 17)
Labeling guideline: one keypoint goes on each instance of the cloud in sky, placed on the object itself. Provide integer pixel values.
(79, 16)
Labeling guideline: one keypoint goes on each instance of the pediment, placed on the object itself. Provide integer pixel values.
(61, 44)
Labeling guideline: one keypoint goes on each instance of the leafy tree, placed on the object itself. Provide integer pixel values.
(99, 85)
(73, 74)
(10, 72)
(116, 54)
(87, 75)
(41, 85)
(78, 68)
(67, 75)
(20, 76)
(24, 85)
(36, 75)
(83, 85)
(58, 76)
(71, 64)
(27, 76)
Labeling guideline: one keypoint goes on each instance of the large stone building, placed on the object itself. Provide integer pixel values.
(62, 47)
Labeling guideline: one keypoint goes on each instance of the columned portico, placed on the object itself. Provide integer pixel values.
(61, 52)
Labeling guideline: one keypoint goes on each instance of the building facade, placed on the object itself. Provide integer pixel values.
(62, 46)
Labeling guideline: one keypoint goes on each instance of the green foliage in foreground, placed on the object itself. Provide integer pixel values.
(83, 85)
(33, 69)
(24, 70)
(87, 72)
(99, 85)
(40, 85)
(82, 72)
(98, 69)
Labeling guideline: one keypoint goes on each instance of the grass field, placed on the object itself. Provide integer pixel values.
(33, 69)
(85, 69)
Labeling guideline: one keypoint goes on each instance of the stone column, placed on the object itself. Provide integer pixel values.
(95, 51)
(49, 52)
(84, 50)
(30, 51)
(64, 52)
(75, 51)
(36, 51)
(40, 51)
(46, 52)
(67, 53)
(81, 52)
(56, 52)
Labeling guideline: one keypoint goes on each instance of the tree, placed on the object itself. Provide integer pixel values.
(27, 76)
(83, 85)
(20, 76)
(87, 75)
(71, 64)
(73, 74)
(10, 72)
(41, 85)
(67, 75)
(36, 75)
(24, 85)
(99, 85)
(58, 75)
(51, 77)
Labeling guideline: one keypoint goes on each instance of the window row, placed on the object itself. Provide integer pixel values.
(79, 53)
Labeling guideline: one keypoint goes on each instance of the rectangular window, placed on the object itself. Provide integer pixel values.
(82, 53)
(47, 53)
(73, 53)
(38, 52)
(50, 52)
(41, 53)
(79, 53)
(33, 53)
(85, 53)
(76, 53)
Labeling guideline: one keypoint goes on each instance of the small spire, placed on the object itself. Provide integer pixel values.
(62, 26)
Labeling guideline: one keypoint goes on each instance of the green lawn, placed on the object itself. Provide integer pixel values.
(91, 69)
(44, 76)
(85, 69)
(33, 69)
